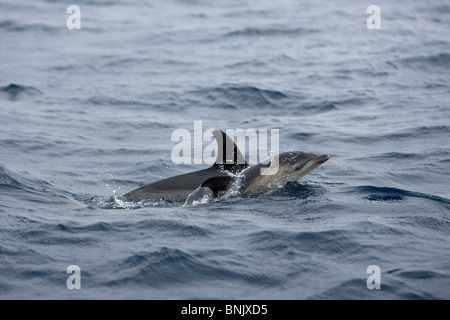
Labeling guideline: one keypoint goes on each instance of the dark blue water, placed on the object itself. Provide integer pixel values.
(87, 115)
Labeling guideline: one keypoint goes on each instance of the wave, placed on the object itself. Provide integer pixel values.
(241, 97)
(313, 108)
(316, 107)
(15, 91)
(12, 26)
(270, 32)
(395, 156)
(161, 101)
(265, 66)
(434, 63)
(11, 180)
(302, 135)
(22, 187)
(441, 8)
(243, 93)
(166, 266)
(389, 194)
(109, 101)
(391, 288)
(330, 242)
(171, 227)
(421, 165)
(227, 96)
(422, 132)
(103, 3)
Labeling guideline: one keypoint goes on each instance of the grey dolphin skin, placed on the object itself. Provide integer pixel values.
(291, 167)
(231, 165)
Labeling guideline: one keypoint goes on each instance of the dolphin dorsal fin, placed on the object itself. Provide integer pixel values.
(228, 154)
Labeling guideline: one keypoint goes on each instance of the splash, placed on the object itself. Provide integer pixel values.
(118, 202)
(235, 186)
(201, 195)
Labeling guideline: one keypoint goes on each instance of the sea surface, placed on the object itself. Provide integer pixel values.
(87, 115)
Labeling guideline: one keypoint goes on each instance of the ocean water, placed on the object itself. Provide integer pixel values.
(87, 115)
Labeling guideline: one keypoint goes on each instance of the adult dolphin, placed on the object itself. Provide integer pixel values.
(229, 166)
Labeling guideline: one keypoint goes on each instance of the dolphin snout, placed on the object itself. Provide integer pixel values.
(320, 159)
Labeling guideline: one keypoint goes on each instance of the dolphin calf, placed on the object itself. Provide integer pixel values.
(231, 170)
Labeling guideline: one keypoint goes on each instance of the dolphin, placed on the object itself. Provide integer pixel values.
(230, 170)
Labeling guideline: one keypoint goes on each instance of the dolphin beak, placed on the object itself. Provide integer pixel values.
(318, 160)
